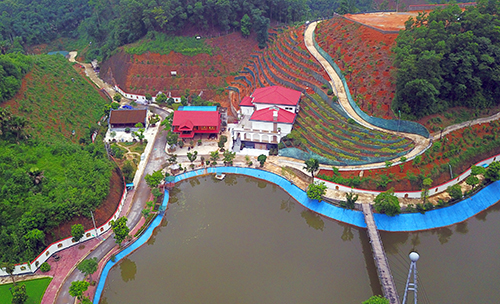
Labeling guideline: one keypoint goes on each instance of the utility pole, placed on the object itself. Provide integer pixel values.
(412, 286)
(95, 228)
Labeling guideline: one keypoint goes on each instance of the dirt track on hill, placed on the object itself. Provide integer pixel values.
(421, 143)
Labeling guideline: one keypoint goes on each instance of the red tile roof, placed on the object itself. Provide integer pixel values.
(188, 119)
(276, 95)
(127, 116)
(246, 102)
(284, 116)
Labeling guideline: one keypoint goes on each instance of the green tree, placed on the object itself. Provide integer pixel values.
(472, 181)
(427, 182)
(120, 229)
(148, 97)
(222, 141)
(316, 190)
(493, 172)
(77, 232)
(172, 138)
(192, 156)
(117, 97)
(388, 203)
(351, 199)
(376, 300)
(145, 212)
(228, 157)
(77, 289)
(455, 192)
(9, 268)
(140, 132)
(214, 157)
(161, 98)
(262, 159)
(312, 165)
(88, 267)
(19, 295)
(477, 170)
(154, 179)
(245, 25)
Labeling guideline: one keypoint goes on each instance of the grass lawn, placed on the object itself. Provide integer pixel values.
(34, 288)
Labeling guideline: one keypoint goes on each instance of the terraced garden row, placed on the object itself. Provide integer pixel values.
(364, 55)
(322, 128)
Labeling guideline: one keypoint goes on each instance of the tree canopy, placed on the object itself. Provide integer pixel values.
(388, 203)
(449, 58)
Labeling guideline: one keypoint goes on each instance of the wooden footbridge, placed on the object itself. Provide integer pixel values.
(384, 272)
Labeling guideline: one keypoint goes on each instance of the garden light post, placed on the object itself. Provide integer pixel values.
(399, 120)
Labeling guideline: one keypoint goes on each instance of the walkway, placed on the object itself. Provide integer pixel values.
(465, 124)
(383, 269)
(421, 143)
(89, 71)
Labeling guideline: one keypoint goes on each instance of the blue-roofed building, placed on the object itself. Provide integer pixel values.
(198, 108)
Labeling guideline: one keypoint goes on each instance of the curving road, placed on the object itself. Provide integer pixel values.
(140, 196)
(421, 143)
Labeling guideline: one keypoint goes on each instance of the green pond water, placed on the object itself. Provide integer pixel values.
(243, 240)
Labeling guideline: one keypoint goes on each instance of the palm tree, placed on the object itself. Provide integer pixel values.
(312, 165)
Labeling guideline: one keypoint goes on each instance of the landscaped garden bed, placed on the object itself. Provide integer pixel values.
(455, 152)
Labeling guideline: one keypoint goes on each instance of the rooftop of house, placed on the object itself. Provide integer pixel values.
(268, 115)
(190, 119)
(126, 116)
(276, 95)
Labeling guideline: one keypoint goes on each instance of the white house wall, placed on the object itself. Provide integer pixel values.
(141, 97)
(246, 110)
(260, 106)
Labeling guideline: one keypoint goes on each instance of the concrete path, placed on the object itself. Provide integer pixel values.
(89, 71)
(135, 202)
(421, 143)
(465, 124)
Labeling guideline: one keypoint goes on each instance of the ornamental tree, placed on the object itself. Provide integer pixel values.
(312, 165)
(388, 203)
(262, 159)
(376, 300)
(120, 229)
(88, 267)
(77, 232)
(316, 190)
(77, 289)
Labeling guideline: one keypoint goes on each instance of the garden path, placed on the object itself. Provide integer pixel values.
(465, 124)
(421, 143)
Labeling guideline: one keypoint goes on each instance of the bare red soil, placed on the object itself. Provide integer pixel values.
(150, 73)
(364, 56)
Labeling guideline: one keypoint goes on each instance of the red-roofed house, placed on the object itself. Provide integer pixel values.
(265, 117)
(189, 123)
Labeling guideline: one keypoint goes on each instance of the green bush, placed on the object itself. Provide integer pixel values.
(45, 267)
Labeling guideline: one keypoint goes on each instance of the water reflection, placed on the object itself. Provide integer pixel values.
(261, 184)
(314, 220)
(128, 270)
(230, 180)
(194, 182)
(444, 234)
(287, 205)
(462, 228)
(347, 235)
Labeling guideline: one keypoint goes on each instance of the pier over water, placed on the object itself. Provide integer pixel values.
(384, 272)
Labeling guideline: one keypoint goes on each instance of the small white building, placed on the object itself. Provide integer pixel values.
(265, 117)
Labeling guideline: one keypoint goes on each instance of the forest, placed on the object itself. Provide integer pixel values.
(48, 175)
(449, 58)
(105, 25)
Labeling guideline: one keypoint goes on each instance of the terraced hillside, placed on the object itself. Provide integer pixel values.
(322, 127)
(364, 55)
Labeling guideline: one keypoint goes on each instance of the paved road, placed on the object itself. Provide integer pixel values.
(421, 143)
(141, 195)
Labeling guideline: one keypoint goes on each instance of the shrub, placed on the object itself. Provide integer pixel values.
(45, 267)
(455, 192)
(388, 203)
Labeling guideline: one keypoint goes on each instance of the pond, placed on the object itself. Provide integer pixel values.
(243, 240)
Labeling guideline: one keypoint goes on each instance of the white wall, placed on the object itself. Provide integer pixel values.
(141, 97)
(246, 110)
(262, 125)
(260, 106)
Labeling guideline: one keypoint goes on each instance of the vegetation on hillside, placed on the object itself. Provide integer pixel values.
(160, 43)
(449, 58)
(47, 175)
(12, 69)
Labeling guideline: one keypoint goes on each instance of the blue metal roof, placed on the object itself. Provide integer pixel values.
(198, 108)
